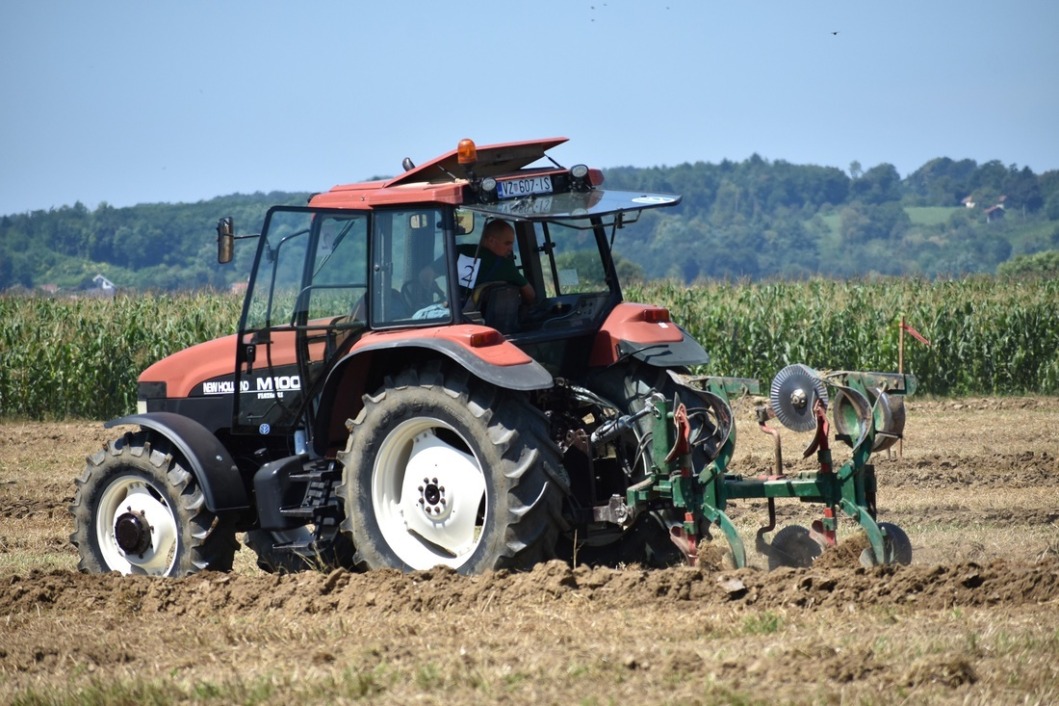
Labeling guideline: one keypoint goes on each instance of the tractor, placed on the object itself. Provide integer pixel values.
(386, 402)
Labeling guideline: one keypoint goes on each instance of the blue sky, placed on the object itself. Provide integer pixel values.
(137, 102)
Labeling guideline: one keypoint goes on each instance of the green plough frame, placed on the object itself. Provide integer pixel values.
(704, 494)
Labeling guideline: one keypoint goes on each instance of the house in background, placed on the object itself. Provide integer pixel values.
(994, 213)
(103, 287)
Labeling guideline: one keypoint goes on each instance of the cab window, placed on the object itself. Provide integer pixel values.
(575, 266)
(409, 275)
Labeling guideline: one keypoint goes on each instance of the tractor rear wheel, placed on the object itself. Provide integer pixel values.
(138, 510)
(444, 469)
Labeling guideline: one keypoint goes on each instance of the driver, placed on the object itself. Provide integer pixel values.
(497, 262)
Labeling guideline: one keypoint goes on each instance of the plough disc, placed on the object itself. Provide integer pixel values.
(888, 413)
(793, 546)
(896, 545)
(794, 393)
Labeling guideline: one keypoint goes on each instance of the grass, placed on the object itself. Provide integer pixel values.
(859, 653)
(349, 684)
(765, 623)
(930, 215)
(919, 215)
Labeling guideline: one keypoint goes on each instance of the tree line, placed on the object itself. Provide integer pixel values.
(756, 219)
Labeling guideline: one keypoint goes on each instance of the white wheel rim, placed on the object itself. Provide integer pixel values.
(426, 495)
(133, 494)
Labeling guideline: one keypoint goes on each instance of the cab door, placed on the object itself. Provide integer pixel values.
(306, 303)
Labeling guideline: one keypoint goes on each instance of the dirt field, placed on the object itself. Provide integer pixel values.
(973, 620)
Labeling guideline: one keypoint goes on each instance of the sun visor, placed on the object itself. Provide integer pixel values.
(493, 160)
(573, 205)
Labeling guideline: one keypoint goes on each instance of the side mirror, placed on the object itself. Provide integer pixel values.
(225, 240)
(464, 222)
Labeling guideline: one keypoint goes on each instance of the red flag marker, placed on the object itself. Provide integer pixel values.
(915, 334)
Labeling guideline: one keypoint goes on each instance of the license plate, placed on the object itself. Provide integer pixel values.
(527, 186)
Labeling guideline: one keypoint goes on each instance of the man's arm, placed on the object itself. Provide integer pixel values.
(528, 295)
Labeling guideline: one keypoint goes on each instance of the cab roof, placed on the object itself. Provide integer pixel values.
(444, 180)
(440, 180)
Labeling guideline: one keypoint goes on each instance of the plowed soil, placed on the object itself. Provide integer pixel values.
(974, 618)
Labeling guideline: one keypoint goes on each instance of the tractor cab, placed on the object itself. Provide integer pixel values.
(401, 263)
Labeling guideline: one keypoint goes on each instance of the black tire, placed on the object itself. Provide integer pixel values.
(444, 469)
(138, 510)
(628, 387)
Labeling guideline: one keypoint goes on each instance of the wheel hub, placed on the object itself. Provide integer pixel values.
(428, 494)
(132, 532)
(432, 498)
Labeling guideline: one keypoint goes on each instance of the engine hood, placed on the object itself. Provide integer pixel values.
(185, 369)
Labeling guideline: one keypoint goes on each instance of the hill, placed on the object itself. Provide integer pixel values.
(753, 219)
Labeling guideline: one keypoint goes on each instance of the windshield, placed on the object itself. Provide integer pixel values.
(576, 262)
(570, 232)
(576, 265)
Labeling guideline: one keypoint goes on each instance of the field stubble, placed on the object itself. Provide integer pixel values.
(974, 619)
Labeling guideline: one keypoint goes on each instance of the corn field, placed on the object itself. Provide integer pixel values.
(79, 358)
(987, 336)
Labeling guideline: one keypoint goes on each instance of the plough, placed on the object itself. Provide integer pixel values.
(695, 435)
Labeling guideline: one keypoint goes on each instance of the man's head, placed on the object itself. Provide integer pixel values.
(498, 237)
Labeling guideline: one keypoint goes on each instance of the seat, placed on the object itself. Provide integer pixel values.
(500, 304)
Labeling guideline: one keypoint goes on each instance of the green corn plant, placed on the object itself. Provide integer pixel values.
(80, 358)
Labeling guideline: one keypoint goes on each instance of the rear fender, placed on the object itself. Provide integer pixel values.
(207, 458)
(502, 364)
(628, 332)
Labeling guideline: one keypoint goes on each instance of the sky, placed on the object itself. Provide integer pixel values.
(144, 102)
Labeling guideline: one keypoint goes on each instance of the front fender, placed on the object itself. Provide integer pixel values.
(209, 461)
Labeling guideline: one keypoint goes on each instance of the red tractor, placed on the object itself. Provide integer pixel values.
(403, 391)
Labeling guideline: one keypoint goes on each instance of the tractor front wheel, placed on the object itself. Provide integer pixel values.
(138, 510)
